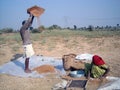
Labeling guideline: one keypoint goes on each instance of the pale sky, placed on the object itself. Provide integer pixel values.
(64, 13)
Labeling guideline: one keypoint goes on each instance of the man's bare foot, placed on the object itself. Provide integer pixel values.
(28, 71)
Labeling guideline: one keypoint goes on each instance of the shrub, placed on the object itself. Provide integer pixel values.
(54, 27)
(7, 30)
(36, 31)
(90, 28)
(41, 28)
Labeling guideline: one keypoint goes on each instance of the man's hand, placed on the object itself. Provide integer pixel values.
(31, 15)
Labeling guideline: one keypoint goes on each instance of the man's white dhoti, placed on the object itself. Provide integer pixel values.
(28, 49)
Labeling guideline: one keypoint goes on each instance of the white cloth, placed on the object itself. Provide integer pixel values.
(84, 56)
(28, 49)
(60, 86)
(114, 84)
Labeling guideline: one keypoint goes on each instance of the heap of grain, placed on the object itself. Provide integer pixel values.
(45, 69)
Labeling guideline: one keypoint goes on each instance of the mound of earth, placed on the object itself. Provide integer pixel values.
(45, 69)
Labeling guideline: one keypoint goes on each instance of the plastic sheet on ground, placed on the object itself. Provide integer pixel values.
(16, 67)
(60, 86)
(114, 84)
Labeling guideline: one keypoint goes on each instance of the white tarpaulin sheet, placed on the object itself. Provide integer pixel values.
(16, 67)
(114, 84)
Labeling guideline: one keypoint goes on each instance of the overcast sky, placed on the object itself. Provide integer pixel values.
(64, 13)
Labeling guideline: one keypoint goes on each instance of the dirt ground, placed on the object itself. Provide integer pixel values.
(107, 47)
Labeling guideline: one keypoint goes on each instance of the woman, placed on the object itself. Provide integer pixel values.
(97, 69)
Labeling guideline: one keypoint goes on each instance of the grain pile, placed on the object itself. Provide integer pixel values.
(45, 69)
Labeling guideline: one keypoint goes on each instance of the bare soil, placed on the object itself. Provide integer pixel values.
(107, 47)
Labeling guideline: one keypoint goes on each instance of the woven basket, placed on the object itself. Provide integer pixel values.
(68, 60)
(35, 10)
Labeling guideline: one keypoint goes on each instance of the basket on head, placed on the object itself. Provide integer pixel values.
(35, 11)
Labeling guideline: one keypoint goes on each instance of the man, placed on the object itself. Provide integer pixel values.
(27, 45)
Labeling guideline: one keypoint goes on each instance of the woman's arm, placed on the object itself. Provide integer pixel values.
(89, 73)
(106, 71)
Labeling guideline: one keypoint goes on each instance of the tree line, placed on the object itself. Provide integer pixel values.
(42, 28)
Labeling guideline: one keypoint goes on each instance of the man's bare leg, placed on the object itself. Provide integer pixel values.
(27, 70)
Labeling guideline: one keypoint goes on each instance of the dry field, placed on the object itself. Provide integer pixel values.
(57, 43)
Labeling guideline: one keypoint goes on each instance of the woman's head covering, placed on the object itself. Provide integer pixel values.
(97, 60)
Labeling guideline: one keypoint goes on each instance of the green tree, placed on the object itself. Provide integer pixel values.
(41, 28)
(75, 27)
(35, 30)
(54, 27)
(7, 30)
(90, 28)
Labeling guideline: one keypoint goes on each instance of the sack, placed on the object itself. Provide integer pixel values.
(68, 60)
